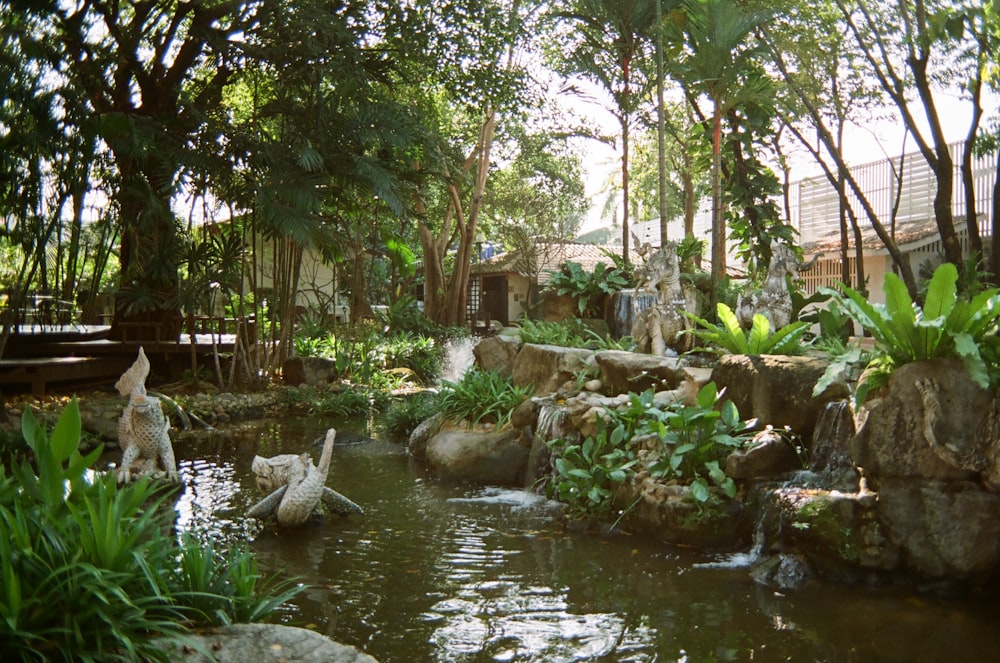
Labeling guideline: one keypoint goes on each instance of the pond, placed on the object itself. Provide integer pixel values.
(437, 572)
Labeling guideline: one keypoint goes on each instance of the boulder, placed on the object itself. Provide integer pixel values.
(489, 458)
(624, 372)
(668, 513)
(892, 437)
(768, 455)
(840, 534)
(556, 308)
(240, 643)
(548, 367)
(946, 530)
(417, 443)
(497, 353)
(311, 371)
(777, 389)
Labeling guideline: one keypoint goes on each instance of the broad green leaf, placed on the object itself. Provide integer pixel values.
(968, 350)
(715, 472)
(941, 291)
(738, 341)
(66, 434)
(730, 414)
(707, 395)
(760, 329)
(683, 449)
(699, 490)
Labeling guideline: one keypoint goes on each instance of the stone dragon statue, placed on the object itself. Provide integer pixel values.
(662, 325)
(298, 487)
(774, 300)
(143, 429)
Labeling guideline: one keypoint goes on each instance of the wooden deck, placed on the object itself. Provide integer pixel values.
(38, 373)
(38, 358)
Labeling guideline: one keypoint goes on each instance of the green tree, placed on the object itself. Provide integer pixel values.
(919, 51)
(149, 74)
(607, 42)
(720, 50)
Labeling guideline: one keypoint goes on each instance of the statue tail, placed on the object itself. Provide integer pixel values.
(324, 459)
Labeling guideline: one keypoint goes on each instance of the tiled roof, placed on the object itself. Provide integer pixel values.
(550, 255)
(909, 234)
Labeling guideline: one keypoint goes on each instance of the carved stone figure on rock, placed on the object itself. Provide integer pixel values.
(298, 487)
(143, 429)
(774, 300)
(973, 449)
(660, 326)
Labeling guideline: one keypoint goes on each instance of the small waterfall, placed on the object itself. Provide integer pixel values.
(549, 426)
(458, 358)
(739, 560)
(550, 423)
(831, 462)
(627, 304)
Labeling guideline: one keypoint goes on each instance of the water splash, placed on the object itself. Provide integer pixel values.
(458, 358)
(743, 559)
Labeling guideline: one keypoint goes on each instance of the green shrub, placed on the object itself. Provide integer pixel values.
(91, 571)
(572, 333)
(689, 445)
(405, 414)
(946, 326)
(728, 336)
(482, 397)
(696, 440)
(587, 288)
(586, 473)
(565, 334)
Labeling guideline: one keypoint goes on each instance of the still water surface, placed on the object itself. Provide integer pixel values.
(454, 573)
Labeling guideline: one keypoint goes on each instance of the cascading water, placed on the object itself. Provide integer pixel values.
(627, 304)
(458, 358)
(550, 423)
(830, 468)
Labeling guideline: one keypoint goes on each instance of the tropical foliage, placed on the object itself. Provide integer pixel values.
(947, 325)
(482, 397)
(674, 443)
(92, 571)
(727, 336)
(589, 289)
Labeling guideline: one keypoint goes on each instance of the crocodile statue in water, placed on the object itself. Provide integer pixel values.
(297, 487)
(143, 429)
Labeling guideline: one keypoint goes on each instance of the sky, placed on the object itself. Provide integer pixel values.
(864, 144)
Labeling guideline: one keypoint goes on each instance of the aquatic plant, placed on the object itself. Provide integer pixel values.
(91, 571)
(695, 440)
(588, 471)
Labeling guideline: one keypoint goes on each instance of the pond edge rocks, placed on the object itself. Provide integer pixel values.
(903, 490)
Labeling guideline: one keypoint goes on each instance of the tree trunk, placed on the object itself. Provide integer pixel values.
(718, 222)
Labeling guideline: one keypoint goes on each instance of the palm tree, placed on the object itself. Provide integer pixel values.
(719, 50)
(609, 43)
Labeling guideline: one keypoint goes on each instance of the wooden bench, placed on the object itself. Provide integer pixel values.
(41, 371)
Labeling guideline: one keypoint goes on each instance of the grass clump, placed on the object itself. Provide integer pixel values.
(482, 397)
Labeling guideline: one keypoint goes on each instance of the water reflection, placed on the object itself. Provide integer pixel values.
(453, 573)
